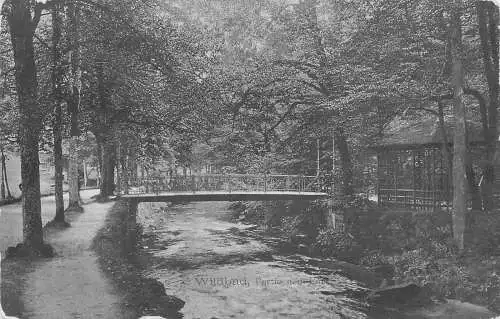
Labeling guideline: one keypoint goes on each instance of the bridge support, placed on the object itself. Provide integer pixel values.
(335, 216)
(130, 230)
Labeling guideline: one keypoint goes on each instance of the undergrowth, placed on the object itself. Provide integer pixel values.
(417, 245)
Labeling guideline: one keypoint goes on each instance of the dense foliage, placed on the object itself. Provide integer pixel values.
(281, 86)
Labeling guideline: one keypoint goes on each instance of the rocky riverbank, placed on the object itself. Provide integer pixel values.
(403, 258)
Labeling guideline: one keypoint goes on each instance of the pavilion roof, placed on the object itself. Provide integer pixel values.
(423, 131)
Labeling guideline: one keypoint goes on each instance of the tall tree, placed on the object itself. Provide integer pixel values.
(23, 17)
(460, 133)
(57, 98)
(74, 99)
(487, 14)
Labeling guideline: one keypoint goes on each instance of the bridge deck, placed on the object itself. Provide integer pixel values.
(203, 196)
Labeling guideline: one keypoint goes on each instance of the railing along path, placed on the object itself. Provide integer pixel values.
(221, 183)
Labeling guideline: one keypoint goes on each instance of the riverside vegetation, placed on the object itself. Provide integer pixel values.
(408, 246)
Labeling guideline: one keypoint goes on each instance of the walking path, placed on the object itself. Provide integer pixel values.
(70, 285)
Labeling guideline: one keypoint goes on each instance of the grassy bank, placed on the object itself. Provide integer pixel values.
(411, 247)
(123, 262)
(14, 274)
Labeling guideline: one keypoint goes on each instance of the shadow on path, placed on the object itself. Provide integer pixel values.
(70, 285)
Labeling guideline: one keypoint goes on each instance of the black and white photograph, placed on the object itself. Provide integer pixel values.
(249, 159)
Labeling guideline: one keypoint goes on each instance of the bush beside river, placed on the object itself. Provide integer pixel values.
(408, 246)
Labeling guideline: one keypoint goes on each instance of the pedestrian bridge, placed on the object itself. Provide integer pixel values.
(222, 187)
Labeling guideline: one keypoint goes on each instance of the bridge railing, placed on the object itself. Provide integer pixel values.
(225, 183)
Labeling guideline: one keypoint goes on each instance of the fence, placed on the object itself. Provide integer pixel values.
(221, 183)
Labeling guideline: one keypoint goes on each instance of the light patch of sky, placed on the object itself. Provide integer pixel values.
(1, 20)
(265, 14)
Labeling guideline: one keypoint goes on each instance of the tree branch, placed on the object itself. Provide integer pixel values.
(45, 44)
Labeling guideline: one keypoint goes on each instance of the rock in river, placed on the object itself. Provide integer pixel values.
(451, 309)
(394, 296)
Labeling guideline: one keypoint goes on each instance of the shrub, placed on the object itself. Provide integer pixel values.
(437, 268)
(291, 224)
(432, 227)
(338, 244)
(254, 212)
(387, 231)
(374, 258)
(485, 234)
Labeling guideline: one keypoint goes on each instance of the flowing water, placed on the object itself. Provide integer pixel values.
(224, 269)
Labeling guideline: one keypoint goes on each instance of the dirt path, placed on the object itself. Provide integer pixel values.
(11, 219)
(71, 285)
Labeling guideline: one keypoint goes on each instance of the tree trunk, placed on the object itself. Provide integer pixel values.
(22, 24)
(487, 13)
(2, 159)
(102, 159)
(73, 108)
(474, 192)
(99, 162)
(110, 176)
(126, 165)
(459, 140)
(108, 165)
(445, 150)
(473, 187)
(73, 174)
(57, 80)
(119, 171)
(85, 174)
(132, 165)
(343, 165)
(59, 163)
(5, 176)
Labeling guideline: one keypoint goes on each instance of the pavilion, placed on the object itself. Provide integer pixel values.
(412, 166)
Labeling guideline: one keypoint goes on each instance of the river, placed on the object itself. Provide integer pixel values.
(224, 269)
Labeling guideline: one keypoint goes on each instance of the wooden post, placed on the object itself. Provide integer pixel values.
(432, 179)
(414, 178)
(85, 176)
(118, 168)
(317, 161)
(332, 218)
(2, 161)
(378, 177)
(396, 167)
(126, 174)
(333, 163)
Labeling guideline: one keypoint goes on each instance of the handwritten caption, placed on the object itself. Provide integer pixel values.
(228, 282)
